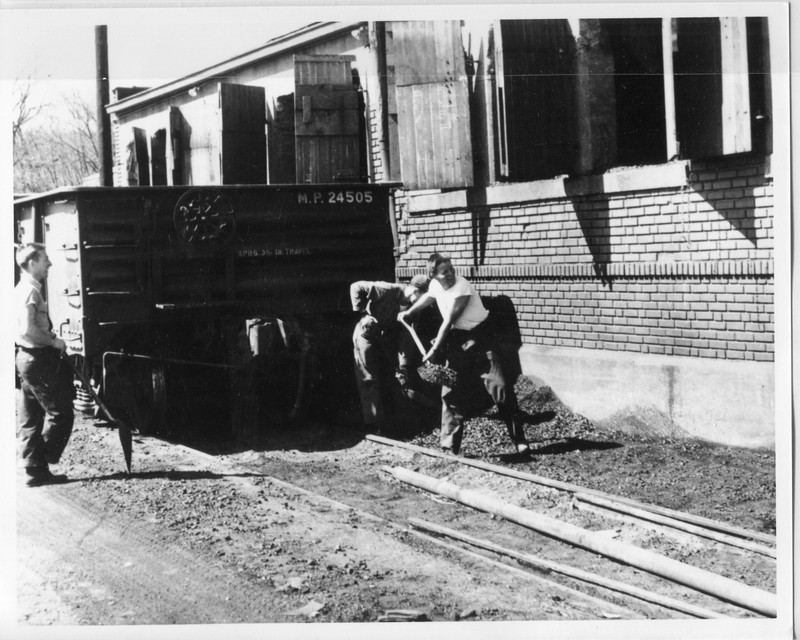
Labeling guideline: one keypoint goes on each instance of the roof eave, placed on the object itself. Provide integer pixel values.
(275, 47)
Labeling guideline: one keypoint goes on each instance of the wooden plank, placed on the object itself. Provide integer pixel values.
(735, 106)
(414, 53)
(329, 123)
(667, 37)
(328, 120)
(567, 570)
(427, 52)
(323, 69)
(327, 159)
(757, 600)
(500, 107)
(328, 96)
(432, 105)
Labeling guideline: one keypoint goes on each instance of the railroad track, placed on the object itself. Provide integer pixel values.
(670, 584)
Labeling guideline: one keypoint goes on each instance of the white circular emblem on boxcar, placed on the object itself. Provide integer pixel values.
(204, 216)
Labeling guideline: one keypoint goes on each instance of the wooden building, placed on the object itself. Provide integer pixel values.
(608, 182)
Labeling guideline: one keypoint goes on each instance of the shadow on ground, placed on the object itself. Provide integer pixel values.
(165, 475)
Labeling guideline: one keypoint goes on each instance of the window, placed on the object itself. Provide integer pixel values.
(243, 152)
(535, 99)
(688, 87)
(138, 160)
(638, 90)
(158, 157)
(721, 85)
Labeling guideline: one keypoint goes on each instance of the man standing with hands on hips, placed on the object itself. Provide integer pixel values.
(44, 411)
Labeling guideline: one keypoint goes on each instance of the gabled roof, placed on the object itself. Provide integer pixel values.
(311, 33)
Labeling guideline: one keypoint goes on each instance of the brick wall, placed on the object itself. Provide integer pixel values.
(376, 162)
(685, 270)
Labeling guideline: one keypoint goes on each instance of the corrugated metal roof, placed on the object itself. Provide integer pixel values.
(314, 32)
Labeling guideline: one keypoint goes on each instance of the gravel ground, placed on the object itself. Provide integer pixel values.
(732, 484)
(230, 513)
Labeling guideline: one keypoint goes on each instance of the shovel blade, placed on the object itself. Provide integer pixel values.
(126, 440)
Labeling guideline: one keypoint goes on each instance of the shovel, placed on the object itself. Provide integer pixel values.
(430, 372)
(123, 428)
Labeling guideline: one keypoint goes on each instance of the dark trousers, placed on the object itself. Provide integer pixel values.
(475, 358)
(369, 370)
(44, 410)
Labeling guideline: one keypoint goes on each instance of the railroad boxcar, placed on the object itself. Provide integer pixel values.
(223, 304)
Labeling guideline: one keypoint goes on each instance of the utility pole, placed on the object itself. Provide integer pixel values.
(106, 168)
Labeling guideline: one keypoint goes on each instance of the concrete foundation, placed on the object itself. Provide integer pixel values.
(728, 402)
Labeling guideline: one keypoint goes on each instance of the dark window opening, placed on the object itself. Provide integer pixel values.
(179, 133)
(158, 157)
(138, 163)
(760, 88)
(535, 98)
(698, 87)
(639, 90)
(280, 146)
(243, 143)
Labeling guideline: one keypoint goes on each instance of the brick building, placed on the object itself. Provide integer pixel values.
(610, 181)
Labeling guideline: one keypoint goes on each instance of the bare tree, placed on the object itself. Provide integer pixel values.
(54, 152)
(24, 110)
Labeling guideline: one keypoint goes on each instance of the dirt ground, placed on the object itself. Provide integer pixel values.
(306, 525)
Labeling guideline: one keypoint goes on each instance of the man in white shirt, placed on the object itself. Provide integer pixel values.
(466, 340)
(44, 412)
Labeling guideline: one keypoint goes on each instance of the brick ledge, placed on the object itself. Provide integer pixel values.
(722, 268)
(661, 176)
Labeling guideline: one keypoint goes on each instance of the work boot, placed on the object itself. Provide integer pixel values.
(38, 476)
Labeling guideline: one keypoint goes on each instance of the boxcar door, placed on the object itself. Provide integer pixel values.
(243, 143)
(327, 121)
(64, 293)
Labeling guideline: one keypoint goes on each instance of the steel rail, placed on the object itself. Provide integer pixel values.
(745, 596)
(605, 604)
(392, 524)
(571, 572)
(606, 506)
(679, 516)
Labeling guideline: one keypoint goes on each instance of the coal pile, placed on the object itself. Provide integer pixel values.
(546, 420)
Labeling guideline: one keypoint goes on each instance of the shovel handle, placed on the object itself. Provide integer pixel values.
(414, 335)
